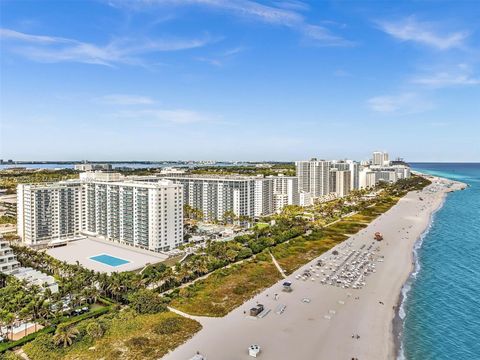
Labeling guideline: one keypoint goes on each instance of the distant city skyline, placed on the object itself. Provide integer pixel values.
(239, 80)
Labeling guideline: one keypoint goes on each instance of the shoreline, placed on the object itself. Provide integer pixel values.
(333, 314)
(398, 320)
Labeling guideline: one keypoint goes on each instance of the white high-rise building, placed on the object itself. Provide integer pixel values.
(140, 214)
(352, 167)
(403, 171)
(367, 178)
(215, 195)
(380, 158)
(285, 191)
(385, 175)
(243, 195)
(47, 212)
(386, 159)
(340, 182)
(313, 176)
(377, 158)
(264, 191)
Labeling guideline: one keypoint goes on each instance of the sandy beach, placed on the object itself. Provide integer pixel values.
(334, 322)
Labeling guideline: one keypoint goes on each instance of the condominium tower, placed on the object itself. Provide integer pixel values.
(285, 192)
(380, 158)
(49, 211)
(340, 182)
(313, 176)
(139, 214)
(350, 166)
(245, 196)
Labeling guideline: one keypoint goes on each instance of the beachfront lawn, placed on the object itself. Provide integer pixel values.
(225, 289)
(117, 336)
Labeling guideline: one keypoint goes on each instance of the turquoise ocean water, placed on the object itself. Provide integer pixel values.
(441, 305)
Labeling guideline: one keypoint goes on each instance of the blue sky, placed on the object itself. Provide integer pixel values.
(239, 79)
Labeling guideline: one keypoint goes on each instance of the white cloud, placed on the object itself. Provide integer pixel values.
(286, 13)
(121, 50)
(221, 58)
(12, 34)
(426, 33)
(404, 103)
(124, 99)
(173, 116)
(462, 75)
(292, 5)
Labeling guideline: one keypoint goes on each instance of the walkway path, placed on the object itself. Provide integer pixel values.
(280, 270)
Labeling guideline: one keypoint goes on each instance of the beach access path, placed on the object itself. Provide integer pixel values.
(326, 327)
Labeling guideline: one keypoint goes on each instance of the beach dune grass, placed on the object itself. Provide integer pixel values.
(347, 226)
(226, 289)
(128, 335)
(301, 250)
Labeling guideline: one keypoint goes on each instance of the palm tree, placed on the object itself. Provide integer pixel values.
(116, 286)
(65, 335)
(229, 217)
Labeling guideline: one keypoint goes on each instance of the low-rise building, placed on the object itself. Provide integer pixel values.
(8, 260)
(10, 266)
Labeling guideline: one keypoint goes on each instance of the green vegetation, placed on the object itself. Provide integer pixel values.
(303, 249)
(145, 301)
(7, 220)
(10, 356)
(10, 236)
(225, 289)
(9, 179)
(120, 335)
(287, 169)
(261, 225)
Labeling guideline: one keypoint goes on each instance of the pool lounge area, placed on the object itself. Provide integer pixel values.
(104, 256)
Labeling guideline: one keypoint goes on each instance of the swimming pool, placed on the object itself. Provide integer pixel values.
(109, 260)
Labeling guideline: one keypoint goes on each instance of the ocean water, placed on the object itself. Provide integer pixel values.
(441, 305)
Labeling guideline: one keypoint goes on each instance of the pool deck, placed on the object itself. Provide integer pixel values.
(83, 250)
